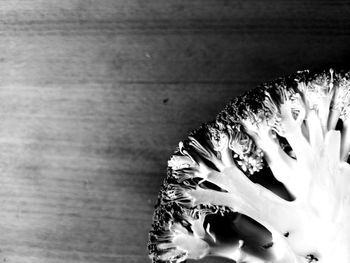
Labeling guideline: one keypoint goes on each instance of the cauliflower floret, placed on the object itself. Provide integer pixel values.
(267, 181)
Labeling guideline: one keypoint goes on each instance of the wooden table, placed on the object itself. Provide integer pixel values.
(95, 95)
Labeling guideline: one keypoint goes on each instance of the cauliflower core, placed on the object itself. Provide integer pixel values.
(267, 181)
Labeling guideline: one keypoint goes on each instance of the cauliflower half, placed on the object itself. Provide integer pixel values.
(267, 181)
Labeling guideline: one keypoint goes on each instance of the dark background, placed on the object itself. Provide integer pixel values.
(95, 95)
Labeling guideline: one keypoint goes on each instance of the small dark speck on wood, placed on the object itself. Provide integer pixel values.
(165, 101)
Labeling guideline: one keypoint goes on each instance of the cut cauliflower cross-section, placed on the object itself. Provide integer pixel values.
(267, 181)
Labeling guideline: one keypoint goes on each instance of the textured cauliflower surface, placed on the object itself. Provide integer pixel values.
(267, 181)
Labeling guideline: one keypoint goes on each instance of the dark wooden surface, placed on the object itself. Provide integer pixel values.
(94, 96)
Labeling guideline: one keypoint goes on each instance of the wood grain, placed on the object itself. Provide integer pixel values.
(94, 96)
